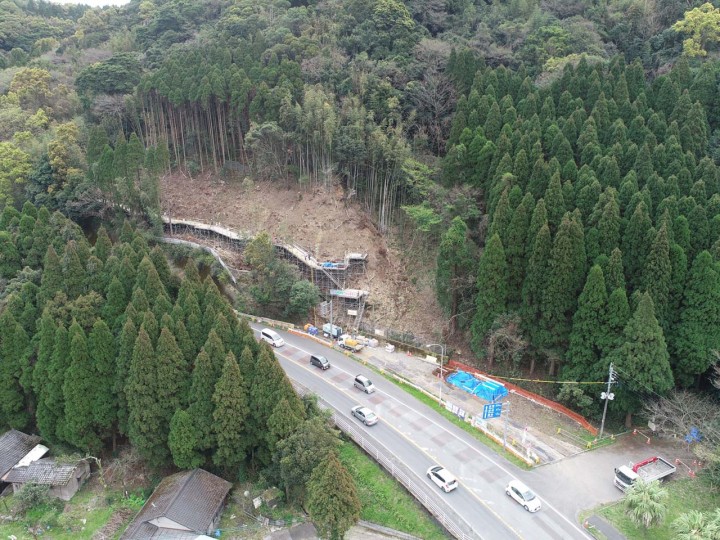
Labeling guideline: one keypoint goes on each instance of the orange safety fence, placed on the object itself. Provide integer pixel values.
(550, 404)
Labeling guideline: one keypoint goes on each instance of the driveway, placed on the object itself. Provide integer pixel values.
(584, 481)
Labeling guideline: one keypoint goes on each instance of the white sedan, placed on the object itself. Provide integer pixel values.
(523, 495)
(365, 415)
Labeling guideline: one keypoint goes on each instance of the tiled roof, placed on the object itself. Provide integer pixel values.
(43, 471)
(190, 498)
(14, 445)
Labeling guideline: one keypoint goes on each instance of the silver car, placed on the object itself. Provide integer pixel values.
(365, 415)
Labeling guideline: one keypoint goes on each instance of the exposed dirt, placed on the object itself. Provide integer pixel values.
(322, 221)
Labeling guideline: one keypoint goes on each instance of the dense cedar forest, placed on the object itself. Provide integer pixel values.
(560, 157)
(123, 349)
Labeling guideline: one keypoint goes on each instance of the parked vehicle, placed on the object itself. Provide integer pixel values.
(331, 330)
(652, 468)
(365, 415)
(272, 337)
(350, 344)
(442, 478)
(319, 361)
(364, 384)
(523, 495)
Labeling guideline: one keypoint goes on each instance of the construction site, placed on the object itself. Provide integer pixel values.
(332, 278)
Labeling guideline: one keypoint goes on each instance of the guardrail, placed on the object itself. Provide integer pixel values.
(452, 521)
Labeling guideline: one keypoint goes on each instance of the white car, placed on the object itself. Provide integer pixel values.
(443, 478)
(365, 415)
(523, 495)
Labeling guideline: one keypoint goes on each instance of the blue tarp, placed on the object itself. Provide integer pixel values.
(482, 388)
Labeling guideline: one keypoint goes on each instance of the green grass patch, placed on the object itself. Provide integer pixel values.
(384, 500)
(80, 518)
(479, 435)
(684, 495)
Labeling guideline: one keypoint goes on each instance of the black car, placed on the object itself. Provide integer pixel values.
(319, 361)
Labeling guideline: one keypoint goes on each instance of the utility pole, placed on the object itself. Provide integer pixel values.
(332, 328)
(607, 396)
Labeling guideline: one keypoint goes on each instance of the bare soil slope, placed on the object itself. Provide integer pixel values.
(323, 222)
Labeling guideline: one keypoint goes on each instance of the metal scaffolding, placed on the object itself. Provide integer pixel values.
(328, 276)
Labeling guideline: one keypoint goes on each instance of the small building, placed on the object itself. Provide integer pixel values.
(14, 446)
(64, 479)
(186, 505)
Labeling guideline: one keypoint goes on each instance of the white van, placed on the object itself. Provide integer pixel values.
(272, 337)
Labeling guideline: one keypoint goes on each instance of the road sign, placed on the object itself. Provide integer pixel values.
(492, 410)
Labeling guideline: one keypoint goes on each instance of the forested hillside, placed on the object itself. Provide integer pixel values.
(123, 349)
(558, 157)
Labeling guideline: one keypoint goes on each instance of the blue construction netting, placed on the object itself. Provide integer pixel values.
(482, 388)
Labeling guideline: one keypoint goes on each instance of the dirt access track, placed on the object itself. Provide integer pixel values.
(320, 220)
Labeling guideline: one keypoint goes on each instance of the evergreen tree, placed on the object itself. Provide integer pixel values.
(46, 342)
(200, 410)
(126, 345)
(183, 441)
(515, 252)
(332, 498)
(696, 334)
(454, 264)
(51, 414)
(618, 315)
(641, 360)
(115, 304)
(11, 260)
(538, 219)
(492, 287)
(230, 415)
(79, 391)
(634, 246)
(564, 281)
(535, 282)
(52, 278)
(657, 276)
(554, 202)
(589, 329)
(265, 392)
(103, 245)
(283, 421)
(73, 271)
(13, 412)
(300, 453)
(104, 356)
(679, 265)
(615, 276)
(501, 217)
(171, 384)
(144, 415)
(157, 256)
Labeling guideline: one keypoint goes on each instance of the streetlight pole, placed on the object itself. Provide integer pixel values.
(442, 357)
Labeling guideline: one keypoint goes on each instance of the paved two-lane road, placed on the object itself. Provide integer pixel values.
(419, 437)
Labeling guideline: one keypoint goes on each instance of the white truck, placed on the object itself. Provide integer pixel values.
(652, 468)
(349, 343)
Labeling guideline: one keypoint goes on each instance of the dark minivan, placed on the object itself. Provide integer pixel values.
(319, 361)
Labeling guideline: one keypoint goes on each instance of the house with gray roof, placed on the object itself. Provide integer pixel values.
(14, 446)
(186, 505)
(64, 479)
